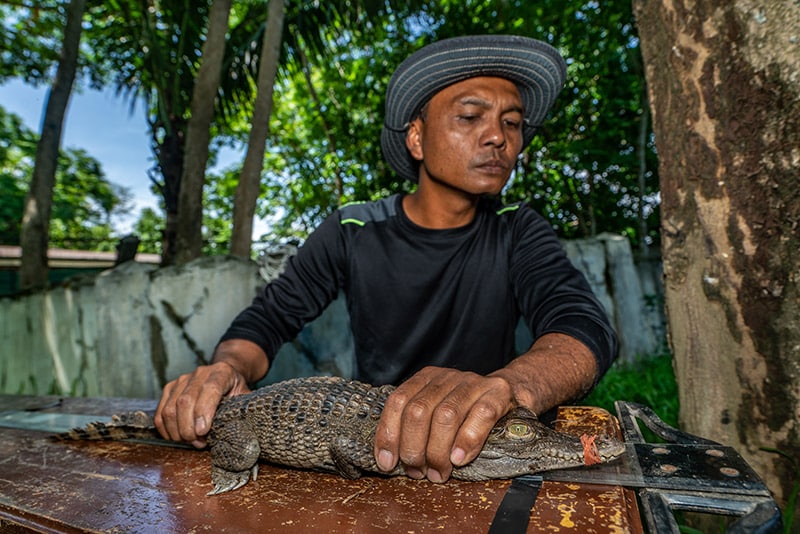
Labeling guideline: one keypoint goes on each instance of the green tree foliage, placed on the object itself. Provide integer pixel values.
(148, 229)
(17, 147)
(581, 171)
(324, 136)
(31, 35)
(35, 234)
(84, 201)
(30, 40)
(218, 203)
(152, 50)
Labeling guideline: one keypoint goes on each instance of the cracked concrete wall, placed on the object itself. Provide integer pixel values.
(123, 341)
(630, 293)
(121, 333)
(128, 330)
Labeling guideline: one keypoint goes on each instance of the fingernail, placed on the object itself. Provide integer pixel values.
(435, 476)
(457, 456)
(385, 460)
(200, 427)
(414, 473)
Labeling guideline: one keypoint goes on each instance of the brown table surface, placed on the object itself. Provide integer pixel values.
(48, 486)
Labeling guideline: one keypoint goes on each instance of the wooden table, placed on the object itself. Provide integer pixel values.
(48, 486)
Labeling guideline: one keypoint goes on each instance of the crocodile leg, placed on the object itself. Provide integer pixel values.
(354, 455)
(345, 452)
(234, 457)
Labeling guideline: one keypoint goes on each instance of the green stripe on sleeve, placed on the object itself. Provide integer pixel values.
(505, 209)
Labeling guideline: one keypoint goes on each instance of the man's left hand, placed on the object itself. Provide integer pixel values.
(439, 418)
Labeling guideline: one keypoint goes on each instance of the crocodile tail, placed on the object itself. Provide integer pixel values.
(132, 425)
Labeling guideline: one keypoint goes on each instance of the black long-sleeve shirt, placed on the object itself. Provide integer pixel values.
(418, 296)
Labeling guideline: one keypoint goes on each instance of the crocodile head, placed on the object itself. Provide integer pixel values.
(519, 444)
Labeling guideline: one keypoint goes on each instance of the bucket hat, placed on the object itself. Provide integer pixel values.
(537, 69)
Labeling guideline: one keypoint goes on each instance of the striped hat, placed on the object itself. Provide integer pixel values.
(535, 67)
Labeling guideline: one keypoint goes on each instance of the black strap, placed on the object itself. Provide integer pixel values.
(514, 512)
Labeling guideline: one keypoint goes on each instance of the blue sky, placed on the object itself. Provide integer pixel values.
(103, 126)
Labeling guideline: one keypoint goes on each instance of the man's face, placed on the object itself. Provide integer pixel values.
(469, 135)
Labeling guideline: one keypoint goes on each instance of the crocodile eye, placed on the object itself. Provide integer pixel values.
(519, 430)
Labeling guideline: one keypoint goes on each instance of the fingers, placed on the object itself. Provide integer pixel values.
(476, 428)
(437, 419)
(405, 409)
(462, 422)
(448, 416)
(188, 404)
(181, 415)
(387, 435)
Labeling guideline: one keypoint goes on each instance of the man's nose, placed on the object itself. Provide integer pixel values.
(494, 134)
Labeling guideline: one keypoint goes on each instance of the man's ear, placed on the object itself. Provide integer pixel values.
(414, 139)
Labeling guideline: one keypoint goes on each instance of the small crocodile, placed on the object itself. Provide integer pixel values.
(329, 423)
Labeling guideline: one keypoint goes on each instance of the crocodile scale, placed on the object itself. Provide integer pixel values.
(329, 423)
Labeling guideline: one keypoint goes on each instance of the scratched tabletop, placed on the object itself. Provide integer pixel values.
(48, 486)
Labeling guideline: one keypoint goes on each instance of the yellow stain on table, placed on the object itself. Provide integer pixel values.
(566, 515)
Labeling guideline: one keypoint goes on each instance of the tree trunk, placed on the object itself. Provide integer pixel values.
(170, 154)
(248, 188)
(189, 232)
(35, 232)
(725, 99)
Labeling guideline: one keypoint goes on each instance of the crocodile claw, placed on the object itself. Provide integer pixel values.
(225, 481)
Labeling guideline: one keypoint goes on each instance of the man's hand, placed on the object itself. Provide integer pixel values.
(437, 419)
(441, 418)
(188, 403)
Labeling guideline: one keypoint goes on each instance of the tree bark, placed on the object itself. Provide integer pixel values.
(34, 237)
(189, 231)
(170, 154)
(248, 188)
(725, 100)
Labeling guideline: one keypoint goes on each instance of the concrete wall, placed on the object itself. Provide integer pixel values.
(130, 329)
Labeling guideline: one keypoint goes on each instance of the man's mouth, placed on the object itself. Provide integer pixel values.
(493, 166)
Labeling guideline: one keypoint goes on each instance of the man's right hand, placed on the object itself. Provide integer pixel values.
(188, 403)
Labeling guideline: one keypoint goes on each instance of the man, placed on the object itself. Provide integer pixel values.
(435, 280)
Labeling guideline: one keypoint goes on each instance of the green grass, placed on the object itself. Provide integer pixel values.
(649, 381)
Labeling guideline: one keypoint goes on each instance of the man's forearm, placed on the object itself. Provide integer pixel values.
(557, 369)
(245, 357)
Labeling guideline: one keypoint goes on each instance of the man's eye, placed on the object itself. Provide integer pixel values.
(468, 118)
(513, 124)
